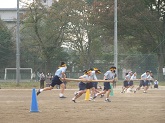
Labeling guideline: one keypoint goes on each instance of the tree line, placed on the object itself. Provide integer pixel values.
(81, 33)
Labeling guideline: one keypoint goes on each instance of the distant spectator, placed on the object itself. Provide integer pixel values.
(33, 76)
(48, 79)
(38, 76)
(42, 80)
(156, 84)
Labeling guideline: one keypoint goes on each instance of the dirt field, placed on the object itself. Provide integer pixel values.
(124, 108)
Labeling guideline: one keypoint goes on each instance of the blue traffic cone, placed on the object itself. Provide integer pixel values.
(34, 104)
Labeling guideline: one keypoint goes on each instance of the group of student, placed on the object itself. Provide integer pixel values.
(85, 84)
(60, 77)
(146, 81)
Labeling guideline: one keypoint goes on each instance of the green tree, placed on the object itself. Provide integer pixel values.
(6, 46)
(141, 29)
(157, 9)
(80, 34)
(43, 33)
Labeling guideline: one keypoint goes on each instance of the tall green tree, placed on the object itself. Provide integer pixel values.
(157, 9)
(81, 33)
(6, 46)
(43, 32)
(141, 27)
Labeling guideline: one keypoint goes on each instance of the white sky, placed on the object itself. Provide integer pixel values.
(9, 3)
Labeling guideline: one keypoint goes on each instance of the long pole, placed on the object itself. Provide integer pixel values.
(115, 36)
(18, 46)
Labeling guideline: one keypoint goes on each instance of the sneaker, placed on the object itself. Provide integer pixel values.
(62, 97)
(102, 95)
(76, 93)
(91, 98)
(144, 92)
(121, 92)
(107, 100)
(38, 92)
(94, 97)
(74, 100)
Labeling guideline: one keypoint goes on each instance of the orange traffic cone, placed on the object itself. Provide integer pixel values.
(87, 94)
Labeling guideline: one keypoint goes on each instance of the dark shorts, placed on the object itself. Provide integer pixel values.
(146, 83)
(155, 86)
(89, 85)
(107, 86)
(125, 83)
(130, 83)
(141, 83)
(82, 86)
(95, 84)
(56, 81)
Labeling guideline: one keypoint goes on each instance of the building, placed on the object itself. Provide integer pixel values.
(47, 2)
(9, 15)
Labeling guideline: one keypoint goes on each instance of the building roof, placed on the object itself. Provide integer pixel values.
(13, 9)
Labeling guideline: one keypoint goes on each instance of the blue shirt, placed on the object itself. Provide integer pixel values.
(60, 71)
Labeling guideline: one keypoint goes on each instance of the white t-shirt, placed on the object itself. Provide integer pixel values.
(93, 75)
(133, 77)
(85, 77)
(109, 75)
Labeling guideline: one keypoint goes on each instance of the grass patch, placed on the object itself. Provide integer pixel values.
(29, 85)
(70, 85)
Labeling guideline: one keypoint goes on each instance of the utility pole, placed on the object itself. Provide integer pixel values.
(18, 46)
(115, 37)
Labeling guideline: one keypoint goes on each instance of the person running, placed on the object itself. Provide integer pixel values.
(152, 80)
(95, 84)
(145, 78)
(131, 85)
(126, 82)
(109, 75)
(83, 86)
(57, 80)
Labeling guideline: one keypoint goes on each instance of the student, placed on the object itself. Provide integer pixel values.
(83, 86)
(131, 85)
(151, 81)
(156, 84)
(145, 78)
(57, 79)
(126, 81)
(94, 77)
(109, 75)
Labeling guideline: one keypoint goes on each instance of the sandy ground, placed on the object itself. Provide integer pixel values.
(125, 108)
